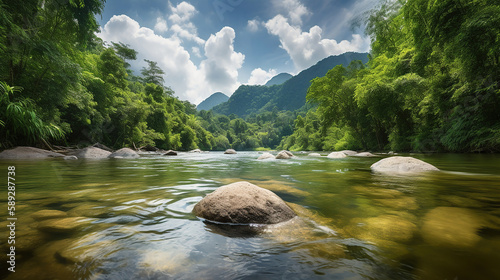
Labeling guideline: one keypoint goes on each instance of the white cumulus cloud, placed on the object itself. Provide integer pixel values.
(218, 72)
(161, 25)
(307, 48)
(222, 63)
(253, 25)
(183, 27)
(294, 9)
(260, 76)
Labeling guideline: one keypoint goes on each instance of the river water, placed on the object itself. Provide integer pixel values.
(131, 219)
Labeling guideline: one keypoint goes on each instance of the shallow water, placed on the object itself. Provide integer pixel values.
(136, 220)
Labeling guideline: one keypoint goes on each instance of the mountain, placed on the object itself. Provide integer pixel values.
(212, 101)
(291, 95)
(278, 79)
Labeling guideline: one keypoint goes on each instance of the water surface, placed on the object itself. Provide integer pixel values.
(136, 221)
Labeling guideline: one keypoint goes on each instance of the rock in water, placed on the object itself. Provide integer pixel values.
(28, 153)
(243, 203)
(337, 155)
(92, 152)
(170, 153)
(266, 156)
(399, 164)
(284, 155)
(230, 152)
(363, 154)
(314, 155)
(124, 153)
(349, 152)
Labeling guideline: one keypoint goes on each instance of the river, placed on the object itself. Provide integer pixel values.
(131, 219)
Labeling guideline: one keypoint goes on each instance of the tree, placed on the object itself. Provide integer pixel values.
(152, 73)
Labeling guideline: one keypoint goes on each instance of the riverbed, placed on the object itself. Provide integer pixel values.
(131, 219)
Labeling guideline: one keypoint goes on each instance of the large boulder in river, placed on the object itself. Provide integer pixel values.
(398, 164)
(124, 153)
(230, 152)
(28, 153)
(363, 154)
(284, 155)
(92, 153)
(243, 203)
(336, 155)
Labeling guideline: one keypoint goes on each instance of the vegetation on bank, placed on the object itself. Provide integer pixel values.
(432, 84)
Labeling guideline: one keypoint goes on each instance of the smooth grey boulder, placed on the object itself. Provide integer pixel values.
(28, 153)
(230, 152)
(124, 153)
(349, 152)
(92, 153)
(364, 154)
(398, 164)
(243, 203)
(266, 156)
(284, 155)
(336, 155)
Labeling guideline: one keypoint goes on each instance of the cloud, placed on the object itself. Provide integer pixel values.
(306, 48)
(218, 72)
(222, 63)
(253, 25)
(293, 9)
(183, 27)
(183, 12)
(161, 25)
(260, 77)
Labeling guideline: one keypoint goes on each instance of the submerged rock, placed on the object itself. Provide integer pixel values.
(398, 164)
(196, 151)
(314, 155)
(64, 225)
(385, 227)
(451, 227)
(92, 153)
(28, 153)
(124, 153)
(243, 203)
(48, 214)
(284, 155)
(337, 155)
(266, 156)
(230, 152)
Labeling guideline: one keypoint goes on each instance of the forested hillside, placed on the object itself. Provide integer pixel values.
(61, 84)
(432, 84)
(289, 96)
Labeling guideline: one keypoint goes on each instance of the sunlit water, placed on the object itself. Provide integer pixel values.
(136, 220)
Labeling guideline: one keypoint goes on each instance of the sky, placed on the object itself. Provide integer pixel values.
(206, 46)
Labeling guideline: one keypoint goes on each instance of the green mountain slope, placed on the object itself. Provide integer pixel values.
(291, 95)
(212, 101)
(278, 79)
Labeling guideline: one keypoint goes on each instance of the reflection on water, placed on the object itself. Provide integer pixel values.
(131, 219)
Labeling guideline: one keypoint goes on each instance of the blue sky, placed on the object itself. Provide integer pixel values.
(206, 46)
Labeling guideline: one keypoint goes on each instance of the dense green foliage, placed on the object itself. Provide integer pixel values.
(432, 84)
(78, 91)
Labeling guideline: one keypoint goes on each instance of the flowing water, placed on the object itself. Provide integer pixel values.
(131, 219)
